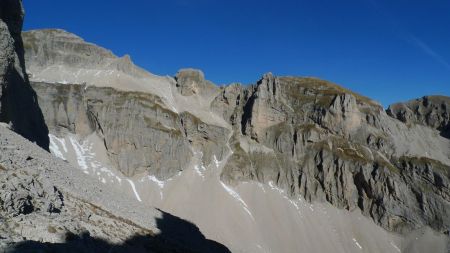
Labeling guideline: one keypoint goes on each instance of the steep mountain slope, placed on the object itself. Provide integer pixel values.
(241, 161)
(47, 205)
(44, 199)
(18, 103)
(322, 142)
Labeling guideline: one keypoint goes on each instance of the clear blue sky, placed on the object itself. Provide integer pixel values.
(389, 50)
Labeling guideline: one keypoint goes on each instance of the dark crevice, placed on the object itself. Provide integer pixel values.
(247, 115)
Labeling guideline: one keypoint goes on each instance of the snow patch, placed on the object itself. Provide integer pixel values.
(134, 189)
(54, 148)
(86, 161)
(395, 247)
(292, 202)
(80, 151)
(260, 185)
(236, 195)
(157, 181)
(357, 244)
(216, 161)
(199, 170)
(273, 187)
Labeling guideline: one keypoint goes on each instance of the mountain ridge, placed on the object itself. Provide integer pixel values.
(334, 121)
(182, 143)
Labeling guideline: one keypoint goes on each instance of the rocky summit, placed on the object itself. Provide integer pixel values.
(146, 163)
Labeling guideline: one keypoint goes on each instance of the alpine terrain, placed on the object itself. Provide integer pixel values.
(147, 163)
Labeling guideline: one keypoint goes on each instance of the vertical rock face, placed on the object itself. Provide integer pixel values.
(139, 133)
(432, 111)
(263, 109)
(308, 137)
(323, 142)
(192, 81)
(18, 103)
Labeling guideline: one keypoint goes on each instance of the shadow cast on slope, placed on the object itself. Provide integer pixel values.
(177, 236)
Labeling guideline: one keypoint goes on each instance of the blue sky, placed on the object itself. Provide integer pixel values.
(389, 50)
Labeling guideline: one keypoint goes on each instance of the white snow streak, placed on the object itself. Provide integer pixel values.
(86, 161)
(357, 244)
(260, 185)
(134, 190)
(273, 187)
(216, 161)
(157, 181)
(395, 246)
(292, 202)
(199, 170)
(236, 195)
(54, 148)
(80, 152)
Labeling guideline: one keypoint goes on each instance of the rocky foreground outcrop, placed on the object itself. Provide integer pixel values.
(309, 137)
(46, 205)
(18, 103)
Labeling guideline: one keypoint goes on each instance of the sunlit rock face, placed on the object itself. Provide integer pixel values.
(431, 111)
(323, 142)
(206, 152)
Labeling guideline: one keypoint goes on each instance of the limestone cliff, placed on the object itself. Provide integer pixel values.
(431, 111)
(323, 142)
(46, 205)
(140, 134)
(309, 137)
(18, 103)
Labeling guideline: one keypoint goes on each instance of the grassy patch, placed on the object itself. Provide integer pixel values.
(51, 229)
(434, 164)
(327, 90)
(344, 149)
(386, 164)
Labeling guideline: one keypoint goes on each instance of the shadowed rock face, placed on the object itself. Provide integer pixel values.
(18, 103)
(309, 137)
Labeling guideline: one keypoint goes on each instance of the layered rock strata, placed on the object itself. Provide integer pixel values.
(309, 137)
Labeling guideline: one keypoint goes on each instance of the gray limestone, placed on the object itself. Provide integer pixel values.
(310, 138)
(322, 142)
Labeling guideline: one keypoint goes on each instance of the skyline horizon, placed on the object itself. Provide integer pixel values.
(250, 83)
(386, 80)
